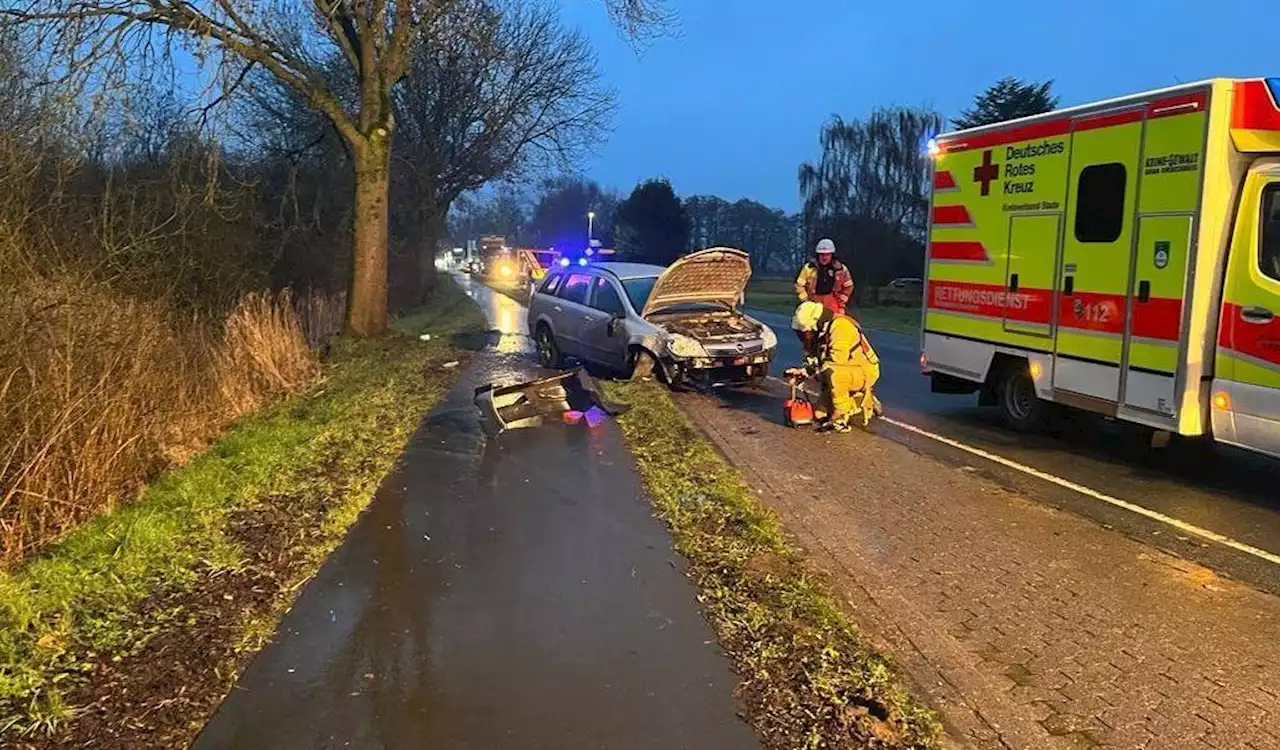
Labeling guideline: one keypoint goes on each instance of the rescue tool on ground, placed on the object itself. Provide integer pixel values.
(1121, 257)
(797, 410)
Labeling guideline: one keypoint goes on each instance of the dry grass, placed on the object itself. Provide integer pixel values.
(322, 316)
(128, 632)
(100, 391)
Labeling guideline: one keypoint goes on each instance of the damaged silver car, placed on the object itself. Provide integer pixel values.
(682, 322)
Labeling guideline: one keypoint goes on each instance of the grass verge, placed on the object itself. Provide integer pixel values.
(777, 295)
(129, 632)
(808, 682)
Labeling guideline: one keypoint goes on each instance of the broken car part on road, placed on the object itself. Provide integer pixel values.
(529, 404)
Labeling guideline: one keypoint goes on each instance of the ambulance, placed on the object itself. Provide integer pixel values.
(1121, 257)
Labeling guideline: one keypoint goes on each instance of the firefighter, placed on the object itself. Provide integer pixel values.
(840, 355)
(825, 279)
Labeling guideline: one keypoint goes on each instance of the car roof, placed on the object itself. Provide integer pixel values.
(630, 270)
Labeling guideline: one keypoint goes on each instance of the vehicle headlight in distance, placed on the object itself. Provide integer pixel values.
(768, 337)
(684, 346)
(505, 270)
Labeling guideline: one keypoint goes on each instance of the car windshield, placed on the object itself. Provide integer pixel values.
(638, 290)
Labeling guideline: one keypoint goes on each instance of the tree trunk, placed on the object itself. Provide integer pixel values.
(367, 297)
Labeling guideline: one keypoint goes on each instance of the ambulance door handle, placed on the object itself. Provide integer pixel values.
(1070, 287)
(1013, 282)
(1259, 315)
(1144, 291)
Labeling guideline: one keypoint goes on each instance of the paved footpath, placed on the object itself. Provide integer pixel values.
(515, 593)
(1029, 626)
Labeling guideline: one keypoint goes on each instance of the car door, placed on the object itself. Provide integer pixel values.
(568, 313)
(1247, 392)
(542, 299)
(604, 344)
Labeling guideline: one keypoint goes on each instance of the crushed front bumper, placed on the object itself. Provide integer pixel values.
(715, 371)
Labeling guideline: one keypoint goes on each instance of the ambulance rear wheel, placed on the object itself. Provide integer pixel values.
(1019, 405)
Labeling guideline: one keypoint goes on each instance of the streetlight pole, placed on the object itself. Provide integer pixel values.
(591, 219)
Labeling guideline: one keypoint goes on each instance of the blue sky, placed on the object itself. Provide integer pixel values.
(733, 103)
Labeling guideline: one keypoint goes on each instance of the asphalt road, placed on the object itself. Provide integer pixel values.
(1223, 490)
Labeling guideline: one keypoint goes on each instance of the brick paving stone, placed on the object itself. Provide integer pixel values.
(1052, 631)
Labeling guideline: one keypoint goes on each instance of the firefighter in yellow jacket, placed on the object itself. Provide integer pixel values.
(839, 352)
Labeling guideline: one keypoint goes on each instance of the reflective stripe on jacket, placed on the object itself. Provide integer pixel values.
(843, 343)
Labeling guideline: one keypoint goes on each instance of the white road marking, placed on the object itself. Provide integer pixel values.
(1189, 528)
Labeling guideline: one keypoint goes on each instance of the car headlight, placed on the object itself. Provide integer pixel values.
(768, 337)
(684, 346)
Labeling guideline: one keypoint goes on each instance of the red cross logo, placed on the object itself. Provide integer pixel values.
(986, 172)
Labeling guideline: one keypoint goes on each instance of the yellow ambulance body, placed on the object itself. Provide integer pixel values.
(1121, 257)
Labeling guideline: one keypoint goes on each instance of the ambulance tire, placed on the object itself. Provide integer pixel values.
(1020, 407)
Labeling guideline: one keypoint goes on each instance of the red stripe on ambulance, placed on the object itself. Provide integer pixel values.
(968, 252)
(1158, 318)
(951, 215)
(942, 180)
(1177, 105)
(1254, 340)
(1253, 108)
(1258, 108)
(988, 301)
(1051, 129)
(1110, 120)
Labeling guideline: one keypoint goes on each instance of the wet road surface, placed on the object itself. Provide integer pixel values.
(1221, 489)
(515, 593)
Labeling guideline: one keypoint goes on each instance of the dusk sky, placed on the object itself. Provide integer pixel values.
(733, 104)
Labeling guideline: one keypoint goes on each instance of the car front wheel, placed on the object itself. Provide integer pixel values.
(548, 351)
(643, 365)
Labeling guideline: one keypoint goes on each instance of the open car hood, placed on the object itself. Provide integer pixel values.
(715, 276)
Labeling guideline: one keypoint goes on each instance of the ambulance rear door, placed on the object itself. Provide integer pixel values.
(1097, 251)
(1168, 200)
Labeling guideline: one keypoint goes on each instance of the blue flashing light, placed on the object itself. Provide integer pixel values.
(564, 262)
(1274, 85)
(582, 261)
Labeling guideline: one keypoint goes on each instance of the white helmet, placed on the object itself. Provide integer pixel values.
(825, 247)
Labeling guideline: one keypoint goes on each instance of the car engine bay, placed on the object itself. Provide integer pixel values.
(709, 327)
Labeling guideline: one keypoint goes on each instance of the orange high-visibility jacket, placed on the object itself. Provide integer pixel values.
(807, 288)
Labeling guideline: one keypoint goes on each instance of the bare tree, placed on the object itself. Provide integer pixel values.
(868, 192)
(293, 40)
(512, 92)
